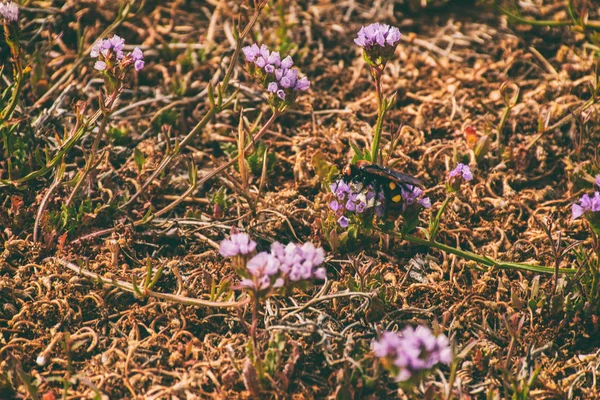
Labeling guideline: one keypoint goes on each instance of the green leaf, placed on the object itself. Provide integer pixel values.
(139, 159)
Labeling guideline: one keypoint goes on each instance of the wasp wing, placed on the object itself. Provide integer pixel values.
(391, 174)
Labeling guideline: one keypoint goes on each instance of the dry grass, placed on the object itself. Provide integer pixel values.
(448, 72)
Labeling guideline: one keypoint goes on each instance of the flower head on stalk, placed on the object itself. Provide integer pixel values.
(239, 247)
(112, 59)
(588, 207)
(9, 12)
(276, 73)
(413, 353)
(282, 267)
(237, 244)
(462, 173)
(378, 42)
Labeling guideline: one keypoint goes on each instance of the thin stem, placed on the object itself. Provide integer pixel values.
(380, 114)
(15, 95)
(484, 260)
(257, 358)
(57, 179)
(89, 165)
(128, 287)
(435, 224)
(13, 43)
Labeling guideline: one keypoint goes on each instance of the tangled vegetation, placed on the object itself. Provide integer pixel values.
(299, 199)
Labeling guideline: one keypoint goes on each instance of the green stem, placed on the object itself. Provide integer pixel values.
(89, 166)
(484, 260)
(435, 225)
(380, 114)
(128, 287)
(13, 42)
(15, 95)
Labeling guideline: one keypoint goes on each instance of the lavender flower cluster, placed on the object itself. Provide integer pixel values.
(413, 352)
(462, 173)
(237, 244)
(355, 198)
(114, 46)
(277, 74)
(587, 204)
(377, 34)
(9, 11)
(412, 197)
(283, 266)
(378, 42)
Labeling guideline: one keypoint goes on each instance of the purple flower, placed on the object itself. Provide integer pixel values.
(260, 62)
(274, 59)
(100, 65)
(321, 273)
(273, 65)
(263, 264)
(387, 345)
(340, 189)
(360, 207)
(138, 57)
(117, 43)
(96, 49)
(334, 205)
(262, 267)
(237, 244)
(299, 262)
(350, 205)
(425, 202)
(288, 80)
(251, 52)
(377, 34)
(302, 84)
(9, 11)
(587, 204)
(287, 63)
(138, 65)
(414, 195)
(463, 171)
(412, 352)
(343, 221)
(353, 197)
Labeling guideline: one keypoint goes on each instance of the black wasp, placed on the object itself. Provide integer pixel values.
(388, 180)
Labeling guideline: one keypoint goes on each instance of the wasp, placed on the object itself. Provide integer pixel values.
(381, 178)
